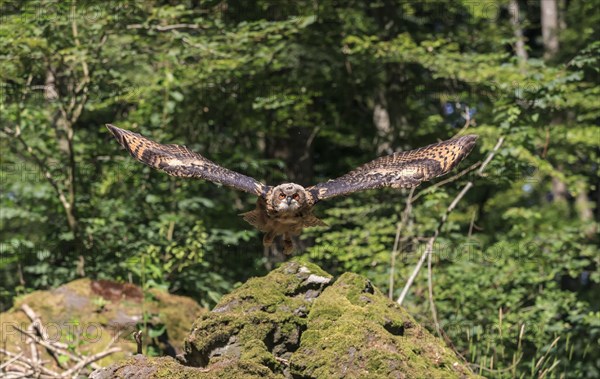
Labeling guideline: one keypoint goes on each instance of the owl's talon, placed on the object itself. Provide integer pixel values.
(288, 247)
(268, 240)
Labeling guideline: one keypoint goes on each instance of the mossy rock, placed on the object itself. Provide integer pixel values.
(355, 331)
(140, 366)
(297, 322)
(86, 315)
(259, 321)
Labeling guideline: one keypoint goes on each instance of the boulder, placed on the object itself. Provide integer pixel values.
(299, 322)
(86, 316)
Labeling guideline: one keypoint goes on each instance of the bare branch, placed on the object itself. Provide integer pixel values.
(43, 167)
(20, 366)
(162, 28)
(515, 21)
(472, 224)
(35, 366)
(35, 356)
(138, 340)
(446, 181)
(84, 65)
(10, 361)
(73, 371)
(467, 116)
(395, 250)
(47, 344)
(429, 249)
(35, 320)
(491, 155)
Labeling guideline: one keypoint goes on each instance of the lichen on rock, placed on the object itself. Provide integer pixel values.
(298, 322)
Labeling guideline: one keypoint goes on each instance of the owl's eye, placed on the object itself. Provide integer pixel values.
(281, 196)
(296, 196)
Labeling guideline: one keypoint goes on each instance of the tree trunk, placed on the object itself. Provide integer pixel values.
(381, 119)
(515, 20)
(559, 190)
(584, 208)
(549, 18)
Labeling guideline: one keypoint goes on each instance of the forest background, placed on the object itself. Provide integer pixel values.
(304, 91)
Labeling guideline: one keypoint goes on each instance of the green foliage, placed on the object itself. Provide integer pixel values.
(287, 91)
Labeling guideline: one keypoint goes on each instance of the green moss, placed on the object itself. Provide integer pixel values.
(72, 316)
(268, 310)
(256, 351)
(296, 322)
(354, 328)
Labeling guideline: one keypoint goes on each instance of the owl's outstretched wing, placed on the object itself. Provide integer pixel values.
(399, 170)
(177, 160)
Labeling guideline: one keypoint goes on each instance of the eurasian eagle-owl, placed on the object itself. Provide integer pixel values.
(286, 209)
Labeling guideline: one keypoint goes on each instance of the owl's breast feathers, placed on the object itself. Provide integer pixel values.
(267, 219)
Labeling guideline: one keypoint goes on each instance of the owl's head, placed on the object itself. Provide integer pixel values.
(288, 197)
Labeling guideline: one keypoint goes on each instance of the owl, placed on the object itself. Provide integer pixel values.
(286, 209)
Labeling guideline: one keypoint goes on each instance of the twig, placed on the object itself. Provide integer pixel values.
(436, 323)
(162, 28)
(429, 248)
(42, 165)
(138, 340)
(88, 360)
(467, 116)
(48, 345)
(32, 328)
(203, 47)
(393, 260)
(10, 361)
(539, 362)
(491, 155)
(36, 367)
(13, 375)
(309, 142)
(446, 181)
(35, 356)
(471, 225)
(35, 320)
(39, 370)
(546, 144)
(403, 220)
(16, 365)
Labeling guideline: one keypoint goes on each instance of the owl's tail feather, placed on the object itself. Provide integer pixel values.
(312, 220)
(255, 218)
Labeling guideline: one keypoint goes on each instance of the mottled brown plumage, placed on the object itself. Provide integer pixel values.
(400, 170)
(287, 208)
(179, 161)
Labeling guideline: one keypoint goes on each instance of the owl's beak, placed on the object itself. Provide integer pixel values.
(289, 200)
